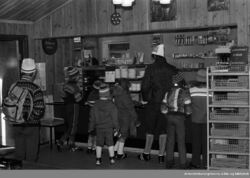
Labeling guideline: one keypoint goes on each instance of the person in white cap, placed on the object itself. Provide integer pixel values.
(27, 134)
(156, 82)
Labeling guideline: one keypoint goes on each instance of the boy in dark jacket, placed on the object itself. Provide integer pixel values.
(127, 115)
(104, 119)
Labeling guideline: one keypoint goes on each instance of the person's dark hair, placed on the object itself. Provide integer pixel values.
(157, 57)
(124, 83)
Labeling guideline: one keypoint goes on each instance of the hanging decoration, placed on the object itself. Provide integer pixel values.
(216, 5)
(115, 18)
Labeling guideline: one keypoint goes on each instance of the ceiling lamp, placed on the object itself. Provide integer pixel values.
(165, 2)
(123, 3)
(117, 2)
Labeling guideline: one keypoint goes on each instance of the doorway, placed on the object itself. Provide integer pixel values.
(11, 54)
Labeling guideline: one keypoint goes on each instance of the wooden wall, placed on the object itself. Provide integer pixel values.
(92, 17)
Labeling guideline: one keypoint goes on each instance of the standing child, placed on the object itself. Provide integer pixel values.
(127, 116)
(72, 95)
(199, 121)
(93, 96)
(176, 104)
(104, 119)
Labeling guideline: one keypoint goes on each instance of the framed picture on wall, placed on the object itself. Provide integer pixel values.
(216, 5)
(160, 12)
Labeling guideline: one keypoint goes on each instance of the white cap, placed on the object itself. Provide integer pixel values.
(158, 50)
(28, 65)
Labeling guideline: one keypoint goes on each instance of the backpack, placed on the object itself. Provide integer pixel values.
(13, 104)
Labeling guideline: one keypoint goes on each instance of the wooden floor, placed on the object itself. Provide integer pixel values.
(52, 159)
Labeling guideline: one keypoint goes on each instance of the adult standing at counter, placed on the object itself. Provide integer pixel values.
(156, 82)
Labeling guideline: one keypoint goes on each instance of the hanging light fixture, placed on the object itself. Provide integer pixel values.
(117, 2)
(127, 3)
(164, 2)
(123, 3)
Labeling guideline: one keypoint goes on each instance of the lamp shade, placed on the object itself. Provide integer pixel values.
(165, 1)
(116, 2)
(127, 3)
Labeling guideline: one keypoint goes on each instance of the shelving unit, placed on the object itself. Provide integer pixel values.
(195, 49)
(108, 74)
(228, 117)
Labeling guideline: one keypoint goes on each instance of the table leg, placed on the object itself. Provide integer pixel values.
(51, 141)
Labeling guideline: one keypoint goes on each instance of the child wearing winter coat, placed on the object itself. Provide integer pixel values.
(127, 115)
(176, 105)
(104, 119)
(199, 121)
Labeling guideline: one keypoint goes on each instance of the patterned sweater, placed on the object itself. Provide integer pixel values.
(38, 102)
(71, 93)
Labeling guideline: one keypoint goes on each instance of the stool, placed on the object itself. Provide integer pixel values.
(51, 123)
(5, 162)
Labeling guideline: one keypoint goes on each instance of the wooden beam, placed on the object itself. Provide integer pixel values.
(170, 30)
(16, 22)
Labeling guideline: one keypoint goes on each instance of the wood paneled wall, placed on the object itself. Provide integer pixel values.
(90, 17)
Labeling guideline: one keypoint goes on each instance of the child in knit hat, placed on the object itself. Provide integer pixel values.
(104, 119)
(127, 115)
(199, 120)
(176, 105)
(72, 95)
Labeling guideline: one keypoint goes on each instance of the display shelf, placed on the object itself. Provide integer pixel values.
(229, 153)
(236, 121)
(227, 105)
(228, 117)
(229, 137)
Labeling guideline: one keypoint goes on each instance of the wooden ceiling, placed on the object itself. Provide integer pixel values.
(28, 11)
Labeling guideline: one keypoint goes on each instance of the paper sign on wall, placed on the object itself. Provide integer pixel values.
(41, 76)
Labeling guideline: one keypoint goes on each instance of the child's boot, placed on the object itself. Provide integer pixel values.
(98, 161)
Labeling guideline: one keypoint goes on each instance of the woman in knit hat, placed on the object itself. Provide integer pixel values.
(27, 134)
(72, 96)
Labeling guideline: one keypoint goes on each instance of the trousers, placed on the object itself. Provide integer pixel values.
(175, 126)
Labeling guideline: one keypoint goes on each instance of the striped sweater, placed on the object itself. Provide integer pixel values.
(38, 109)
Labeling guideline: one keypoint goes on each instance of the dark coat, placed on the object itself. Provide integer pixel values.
(157, 80)
(103, 115)
(127, 115)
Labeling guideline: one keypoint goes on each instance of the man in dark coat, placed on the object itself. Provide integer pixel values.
(156, 82)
